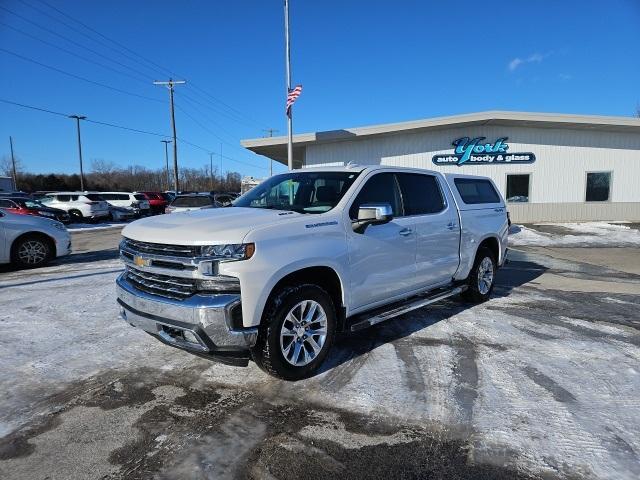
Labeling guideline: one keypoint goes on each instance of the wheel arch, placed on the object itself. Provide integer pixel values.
(322, 275)
(50, 241)
(492, 244)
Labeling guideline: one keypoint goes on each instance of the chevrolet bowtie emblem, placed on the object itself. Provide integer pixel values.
(141, 261)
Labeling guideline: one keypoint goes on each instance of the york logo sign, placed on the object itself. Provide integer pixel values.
(477, 151)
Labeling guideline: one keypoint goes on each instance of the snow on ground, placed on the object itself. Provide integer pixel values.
(544, 380)
(593, 234)
(95, 226)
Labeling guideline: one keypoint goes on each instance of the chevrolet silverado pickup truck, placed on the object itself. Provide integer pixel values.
(307, 255)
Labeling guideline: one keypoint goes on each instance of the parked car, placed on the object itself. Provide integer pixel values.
(137, 202)
(119, 214)
(79, 205)
(26, 206)
(156, 200)
(30, 241)
(192, 201)
(307, 254)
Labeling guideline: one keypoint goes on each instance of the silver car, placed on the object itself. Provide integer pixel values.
(28, 241)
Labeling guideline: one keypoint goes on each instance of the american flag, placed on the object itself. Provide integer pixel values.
(293, 95)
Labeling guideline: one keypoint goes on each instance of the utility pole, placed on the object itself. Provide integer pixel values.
(13, 163)
(211, 168)
(221, 171)
(166, 159)
(78, 118)
(170, 84)
(270, 132)
(288, 63)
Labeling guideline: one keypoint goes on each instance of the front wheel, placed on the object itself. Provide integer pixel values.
(481, 278)
(298, 332)
(31, 252)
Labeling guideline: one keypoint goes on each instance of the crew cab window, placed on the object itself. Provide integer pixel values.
(381, 188)
(421, 194)
(6, 204)
(476, 190)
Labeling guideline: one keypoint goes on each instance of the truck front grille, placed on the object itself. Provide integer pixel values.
(162, 248)
(161, 285)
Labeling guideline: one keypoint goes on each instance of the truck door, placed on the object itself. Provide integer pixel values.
(435, 220)
(382, 259)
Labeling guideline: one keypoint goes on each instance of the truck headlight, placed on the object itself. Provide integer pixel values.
(229, 252)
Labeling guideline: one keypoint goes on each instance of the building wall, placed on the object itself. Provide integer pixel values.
(558, 176)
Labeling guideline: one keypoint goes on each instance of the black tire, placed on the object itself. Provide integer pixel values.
(268, 353)
(76, 215)
(40, 247)
(476, 289)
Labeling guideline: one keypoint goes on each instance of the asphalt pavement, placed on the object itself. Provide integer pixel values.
(541, 381)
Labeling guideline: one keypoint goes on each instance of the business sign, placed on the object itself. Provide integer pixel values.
(477, 151)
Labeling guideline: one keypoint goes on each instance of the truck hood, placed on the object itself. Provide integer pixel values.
(205, 227)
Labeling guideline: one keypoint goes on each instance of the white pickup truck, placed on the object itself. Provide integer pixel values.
(306, 255)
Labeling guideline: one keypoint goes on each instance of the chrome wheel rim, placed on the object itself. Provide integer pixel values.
(485, 275)
(303, 333)
(32, 252)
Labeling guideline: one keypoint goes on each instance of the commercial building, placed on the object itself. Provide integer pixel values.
(549, 167)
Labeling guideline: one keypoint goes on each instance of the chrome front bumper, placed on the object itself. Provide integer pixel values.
(200, 324)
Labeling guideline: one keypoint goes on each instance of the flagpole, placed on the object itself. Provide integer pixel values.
(288, 64)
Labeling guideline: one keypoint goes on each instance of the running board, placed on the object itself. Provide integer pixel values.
(408, 305)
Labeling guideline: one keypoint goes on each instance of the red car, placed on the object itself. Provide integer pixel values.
(26, 206)
(156, 201)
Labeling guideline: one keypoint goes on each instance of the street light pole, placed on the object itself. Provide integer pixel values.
(78, 118)
(211, 168)
(170, 84)
(13, 163)
(166, 159)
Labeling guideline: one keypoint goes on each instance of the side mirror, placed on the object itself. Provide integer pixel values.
(372, 214)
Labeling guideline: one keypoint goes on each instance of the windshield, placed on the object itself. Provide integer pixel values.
(192, 201)
(32, 204)
(304, 192)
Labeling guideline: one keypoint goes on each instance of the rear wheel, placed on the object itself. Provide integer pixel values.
(299, 328)
(481, 278)
(76, 215)
(31, 252)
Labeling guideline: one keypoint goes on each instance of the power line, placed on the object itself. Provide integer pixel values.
(151, 62)
(69, 52)
(67, 39)
(103, 85)
(121, 127)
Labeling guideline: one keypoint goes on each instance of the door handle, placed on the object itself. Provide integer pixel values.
(405, 231)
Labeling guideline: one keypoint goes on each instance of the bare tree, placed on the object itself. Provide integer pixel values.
(6, 167)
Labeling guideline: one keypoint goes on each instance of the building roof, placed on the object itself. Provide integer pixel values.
(276, 147)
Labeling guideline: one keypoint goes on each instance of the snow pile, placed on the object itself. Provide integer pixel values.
(95, 226)
(589, 234)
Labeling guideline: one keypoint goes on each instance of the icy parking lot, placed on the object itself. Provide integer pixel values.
(541, 381)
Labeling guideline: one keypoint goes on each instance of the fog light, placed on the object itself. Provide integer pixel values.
(190, 337)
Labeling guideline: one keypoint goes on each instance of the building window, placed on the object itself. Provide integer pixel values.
(518, 188)
(598, 186)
